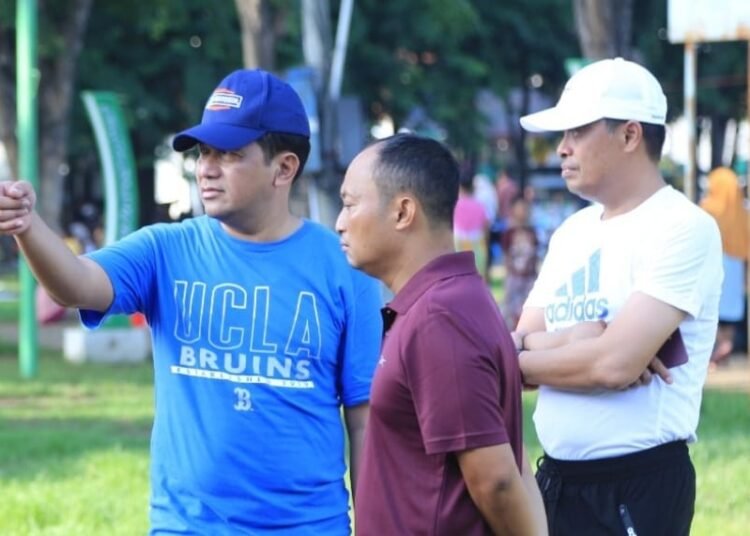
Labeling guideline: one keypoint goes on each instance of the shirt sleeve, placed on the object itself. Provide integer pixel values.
(455, 384)
(682, 264)
(360, 348)
(129, 264)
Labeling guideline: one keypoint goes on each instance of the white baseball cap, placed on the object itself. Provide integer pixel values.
(611, 89)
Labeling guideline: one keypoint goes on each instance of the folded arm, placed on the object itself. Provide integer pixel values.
(613, 360)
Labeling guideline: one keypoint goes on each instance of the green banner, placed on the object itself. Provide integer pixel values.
(118, 165)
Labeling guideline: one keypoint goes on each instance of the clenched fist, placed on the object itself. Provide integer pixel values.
(17, 201)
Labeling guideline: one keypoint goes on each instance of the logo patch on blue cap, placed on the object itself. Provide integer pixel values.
(223, 99)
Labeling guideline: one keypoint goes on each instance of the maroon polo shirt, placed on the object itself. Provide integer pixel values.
(447, 381)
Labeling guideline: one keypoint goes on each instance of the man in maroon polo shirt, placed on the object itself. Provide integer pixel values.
(443, 450)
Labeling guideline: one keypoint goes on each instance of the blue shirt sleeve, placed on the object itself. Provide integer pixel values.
(360, 348)
(129, 264)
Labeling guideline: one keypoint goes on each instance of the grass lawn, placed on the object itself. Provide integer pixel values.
(74, 452)
(74, 449)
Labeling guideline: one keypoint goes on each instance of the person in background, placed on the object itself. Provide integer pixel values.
(471, 226)
(264, 337)
(81, 233)
(443, 446)
(507, 191)
(521, 245)
(486, 194)
(635, 275)
(725, 202)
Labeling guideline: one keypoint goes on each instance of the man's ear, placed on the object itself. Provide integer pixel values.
(286, 164)
(632, 133)
(406, 208)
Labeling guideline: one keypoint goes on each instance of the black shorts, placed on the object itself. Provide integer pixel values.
(647, 493)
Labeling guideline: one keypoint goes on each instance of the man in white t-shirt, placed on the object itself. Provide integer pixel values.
(635, 275)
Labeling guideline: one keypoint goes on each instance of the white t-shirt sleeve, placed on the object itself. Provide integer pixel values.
(681, 262)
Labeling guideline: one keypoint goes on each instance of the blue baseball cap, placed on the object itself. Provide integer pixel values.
(246, 105)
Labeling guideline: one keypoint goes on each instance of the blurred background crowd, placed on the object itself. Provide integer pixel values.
(459, 71)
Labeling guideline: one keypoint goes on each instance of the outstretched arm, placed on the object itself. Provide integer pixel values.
(70, 280)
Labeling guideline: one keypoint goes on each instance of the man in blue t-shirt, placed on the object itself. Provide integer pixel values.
(261, 330)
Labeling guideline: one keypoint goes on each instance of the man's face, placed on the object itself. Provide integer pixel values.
(363, 220)
(234, 184)
(588, 153)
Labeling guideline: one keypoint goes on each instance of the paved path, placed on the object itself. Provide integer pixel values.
(50, 337)
(734, 374)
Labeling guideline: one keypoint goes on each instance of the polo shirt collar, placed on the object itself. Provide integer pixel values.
(443, 267)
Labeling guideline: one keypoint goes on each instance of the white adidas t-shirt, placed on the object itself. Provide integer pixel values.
(667, 248)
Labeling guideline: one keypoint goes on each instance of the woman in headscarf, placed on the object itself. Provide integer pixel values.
(725, 202)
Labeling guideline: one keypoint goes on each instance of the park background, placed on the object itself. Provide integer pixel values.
(74, 438)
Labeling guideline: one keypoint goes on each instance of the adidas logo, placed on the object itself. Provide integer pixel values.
(578, 300)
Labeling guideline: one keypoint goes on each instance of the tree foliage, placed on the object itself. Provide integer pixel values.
(165, 56)
(437, 54)
(721, 85)
(60, 40)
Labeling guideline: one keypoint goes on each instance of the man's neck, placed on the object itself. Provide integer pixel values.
(415, 255)
(632, 190)
(269, 231)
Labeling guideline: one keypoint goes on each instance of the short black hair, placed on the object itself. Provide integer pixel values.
(423, 167)
(653, 136)
(273, 143)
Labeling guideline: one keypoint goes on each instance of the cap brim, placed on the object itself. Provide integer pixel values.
(557, 119)
(218, 135)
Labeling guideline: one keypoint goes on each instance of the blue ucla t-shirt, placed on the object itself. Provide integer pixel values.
(256, 347)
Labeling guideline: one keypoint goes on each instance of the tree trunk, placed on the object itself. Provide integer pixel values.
(55, 104)
(604, 27)
(317, 47)
(317, 41)
(258, 33)
(55, 99)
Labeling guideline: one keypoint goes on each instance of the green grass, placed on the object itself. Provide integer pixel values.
(9, 281)
(9, 311)
(9, 290)
(722, 463)
(74, 452)
(74, 449)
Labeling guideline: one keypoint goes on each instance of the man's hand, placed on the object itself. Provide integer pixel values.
(17, 201)
(546, 340)
(613, 360)
(586, 330)
(656, 367)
